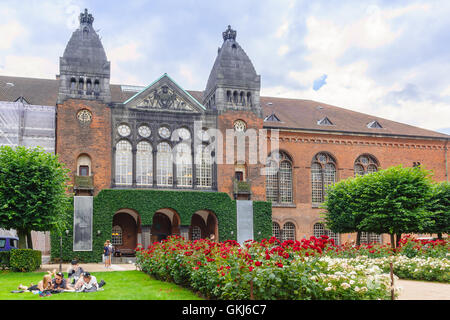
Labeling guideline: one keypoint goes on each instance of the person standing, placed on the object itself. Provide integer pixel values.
(106, 254)
(111, 251)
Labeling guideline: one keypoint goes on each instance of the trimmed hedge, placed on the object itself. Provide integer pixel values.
(147, 203)
(4, 259)
(25, 260)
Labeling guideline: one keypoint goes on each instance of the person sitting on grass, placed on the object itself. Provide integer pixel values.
(88, 283)
(75, 272)
(44, 284)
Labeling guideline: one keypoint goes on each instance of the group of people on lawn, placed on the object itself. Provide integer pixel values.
(77, 281)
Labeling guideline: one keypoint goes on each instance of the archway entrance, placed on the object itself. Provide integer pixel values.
(126, 231)
(166, 222)
(204, 226)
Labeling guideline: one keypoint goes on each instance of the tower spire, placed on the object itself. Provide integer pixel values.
(86, 18)
(229, 34)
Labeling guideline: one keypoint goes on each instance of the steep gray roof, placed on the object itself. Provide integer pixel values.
(232, 68)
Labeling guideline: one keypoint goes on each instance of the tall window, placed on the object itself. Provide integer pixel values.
(288, 231)
(124, 163)
(279, 178)
(164, 159)
(323, 174)
(184, 165)
(203, 167)
(319, 230)
(144, 164)
(365, 164)
(276, 230)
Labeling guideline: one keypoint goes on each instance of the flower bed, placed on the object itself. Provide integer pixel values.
(262, 270)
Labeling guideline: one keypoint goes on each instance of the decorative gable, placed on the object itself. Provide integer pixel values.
(165, 95)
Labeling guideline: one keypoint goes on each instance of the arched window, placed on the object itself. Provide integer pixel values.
(164, 159)
(124, 163)
(249, 98)
(196, 233)
(289, 231)
(279, 178)
(276, 231)
(84, 165)
(73, 84)
(203, 164)
(81, 84)
(116, 237)
(144, 164)
(323, 174)
(96, 86)
(229, 96)
(319, 230)
(235, 97)
(88, 85)
(183, 161)
(365, 164)
(242, 98)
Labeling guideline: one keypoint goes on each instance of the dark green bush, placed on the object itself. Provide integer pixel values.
(4, 259)
(25, 260)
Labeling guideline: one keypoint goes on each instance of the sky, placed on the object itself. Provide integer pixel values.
(389, 59)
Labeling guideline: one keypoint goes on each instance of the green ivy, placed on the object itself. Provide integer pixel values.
(147, 203)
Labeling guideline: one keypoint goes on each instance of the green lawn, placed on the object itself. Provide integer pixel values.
(120, 285)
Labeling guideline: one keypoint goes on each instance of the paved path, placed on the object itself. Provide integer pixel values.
(410, 290)
(421, 290)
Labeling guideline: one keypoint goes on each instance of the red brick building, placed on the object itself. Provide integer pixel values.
(123, 137)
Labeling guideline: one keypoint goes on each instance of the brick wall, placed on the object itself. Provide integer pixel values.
(94, 140)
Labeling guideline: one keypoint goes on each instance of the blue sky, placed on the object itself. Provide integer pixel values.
(386, 58)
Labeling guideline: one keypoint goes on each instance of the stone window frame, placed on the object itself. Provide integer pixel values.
(276, 189)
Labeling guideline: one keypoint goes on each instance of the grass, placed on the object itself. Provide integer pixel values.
(120, 285)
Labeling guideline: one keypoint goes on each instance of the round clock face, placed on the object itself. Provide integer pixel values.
(84, 116)
(240, 126)
(184, 133)
(124, 130)
(164, 132)
(145, 131)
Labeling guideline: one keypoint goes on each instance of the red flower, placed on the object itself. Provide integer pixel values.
(279, 264)
(258, 264)
(251, 268)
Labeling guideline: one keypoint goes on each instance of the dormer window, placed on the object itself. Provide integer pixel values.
(272, 118)
(325, 122)
(374, 125)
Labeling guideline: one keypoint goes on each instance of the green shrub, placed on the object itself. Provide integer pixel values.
(25, 260)
(4, 259)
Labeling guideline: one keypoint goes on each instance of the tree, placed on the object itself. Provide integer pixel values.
(396, 201)
(439, 207)
(344, 210)
(32, 192)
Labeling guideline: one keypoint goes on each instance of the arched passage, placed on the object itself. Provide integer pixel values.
(204, 225)
(166, 222)
(126, 227)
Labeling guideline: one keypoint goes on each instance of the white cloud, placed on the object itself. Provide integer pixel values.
(29, 66)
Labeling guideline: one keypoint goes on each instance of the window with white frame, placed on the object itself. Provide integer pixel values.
(288, 231)
(370, 237)
(124, 163)
(116, 238)
(203, 167)
(196, 233)
(279, 178)
(144, 164)
(276, 230)
(323, 174)
(365, 164)
(164, 160)
(183, 160)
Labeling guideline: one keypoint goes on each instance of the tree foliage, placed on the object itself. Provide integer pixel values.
(439, 207)
(389, 201)
(32, 191)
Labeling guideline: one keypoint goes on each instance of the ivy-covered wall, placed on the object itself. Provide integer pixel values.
(147, 203)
